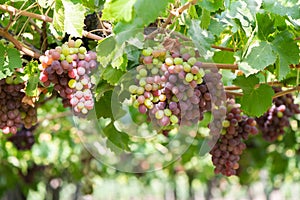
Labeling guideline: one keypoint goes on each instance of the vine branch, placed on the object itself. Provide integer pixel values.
(278, 94)
(19, 45)
(45, 18)
(177, 12)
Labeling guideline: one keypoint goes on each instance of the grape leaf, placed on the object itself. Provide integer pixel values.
(205, 19)
(224, 57)
(2, 54)
(103, 106)
(73, 18)
(277, 8)
(211, 5)
(33, 79)
(265, 25)
(116, 138)
(149, 10)
(288, 52)
(259, 57)
(14, 58)
(112, 75)
(246, 84)
(256, 100)
(102, 87)
(106, 50)
(118, 10)
(58, 16)
(201, 38)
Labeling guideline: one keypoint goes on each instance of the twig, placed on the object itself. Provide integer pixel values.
(223, 48)
(220, 66)
(18, 44)
(44, 18)
(282, 93)
(234, 87)
(56, 116)
(278, 94)
(177, 12)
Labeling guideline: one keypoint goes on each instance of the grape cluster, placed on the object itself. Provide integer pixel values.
(23, 139)
(236, 128)
(13, 112)
(273, 122)
(68, 68)
(171, 87)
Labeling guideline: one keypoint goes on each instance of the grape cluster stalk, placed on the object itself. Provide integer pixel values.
(13, 112)
(171, 87)
(68, 68)
(273, 122)
(229, 147)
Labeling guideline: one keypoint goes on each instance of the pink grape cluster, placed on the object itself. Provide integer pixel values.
(229, 147)
(170, 87)
(68, 68)
(13, 112)
(273, 122)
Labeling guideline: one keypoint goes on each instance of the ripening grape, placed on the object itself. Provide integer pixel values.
(229, 147)
(171, 88)
(68, 67)
(273, 122)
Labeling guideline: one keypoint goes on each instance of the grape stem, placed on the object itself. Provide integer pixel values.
(278, 94)
(220, 66)
(19, 45)
(56, 116)
(223, 48)
(234, 87)
(178, 12)
(14, 11)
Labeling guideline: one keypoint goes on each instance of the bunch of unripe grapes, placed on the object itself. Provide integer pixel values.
(68, 68)
(13, 112)
(273, 122)
(23, 139)
(170, 87)
(228, 149)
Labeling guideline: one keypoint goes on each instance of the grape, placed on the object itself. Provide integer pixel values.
(229, 147)
(14, 113)
(273, 122)
(69, 74)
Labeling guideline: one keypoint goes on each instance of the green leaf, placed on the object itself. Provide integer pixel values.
(33, 79)
(256, 100)
(14, 58)
(288, 52)
(2, 58)
(205, 19)
(224, 57)
(149, 10)
(246, 84)
(277, 8)
(73, 18)
(265, 25)
(103, 106)
(112, 75)
(102, 87)
(58, 16)
(116, 138)
(118, 10)
(259, 57)
(201, 38)
(211, 5)
(105, 50)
